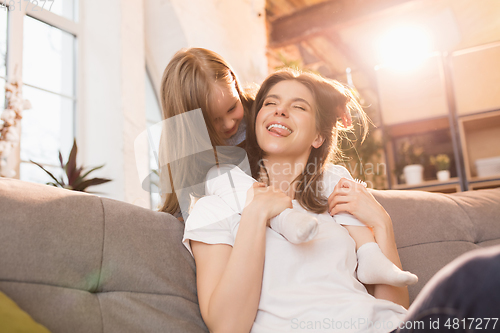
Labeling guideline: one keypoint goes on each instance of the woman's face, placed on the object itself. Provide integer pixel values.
(226, 110)
(286, 123)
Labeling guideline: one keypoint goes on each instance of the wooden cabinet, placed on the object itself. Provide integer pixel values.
(480, 138)
(452, 105)
(476, 79)
(412, 95)
(434, 135)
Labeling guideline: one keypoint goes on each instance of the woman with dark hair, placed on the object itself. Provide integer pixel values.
(250, 277)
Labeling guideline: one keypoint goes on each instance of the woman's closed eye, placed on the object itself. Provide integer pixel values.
(300, 107)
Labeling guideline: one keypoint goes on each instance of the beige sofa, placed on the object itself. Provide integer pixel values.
(80, 263)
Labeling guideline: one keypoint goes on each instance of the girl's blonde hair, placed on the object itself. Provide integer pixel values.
(331, 98)
(187, 84)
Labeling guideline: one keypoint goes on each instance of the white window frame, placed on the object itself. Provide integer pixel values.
(149, 122)
(14, 65)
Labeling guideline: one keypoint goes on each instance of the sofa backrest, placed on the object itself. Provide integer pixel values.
(432, 229)
(80, 263)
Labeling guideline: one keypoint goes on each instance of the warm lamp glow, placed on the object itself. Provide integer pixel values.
(405, 47)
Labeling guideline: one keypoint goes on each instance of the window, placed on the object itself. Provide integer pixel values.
(3, 55)
(48, 76)
(44, 45)
(153, 116)
(64, 8)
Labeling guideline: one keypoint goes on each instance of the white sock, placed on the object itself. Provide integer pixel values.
(296, 226)
(375, 268)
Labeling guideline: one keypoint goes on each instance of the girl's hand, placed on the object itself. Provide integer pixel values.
(353, 198)
(267, 199)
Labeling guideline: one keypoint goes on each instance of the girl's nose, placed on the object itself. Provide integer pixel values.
(228, 123)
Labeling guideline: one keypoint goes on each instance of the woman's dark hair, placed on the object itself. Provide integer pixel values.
(331, 99)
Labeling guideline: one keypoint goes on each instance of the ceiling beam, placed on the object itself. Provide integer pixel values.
(353, 56)
(313, 20)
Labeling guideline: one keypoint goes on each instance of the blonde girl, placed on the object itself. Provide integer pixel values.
(198, 78)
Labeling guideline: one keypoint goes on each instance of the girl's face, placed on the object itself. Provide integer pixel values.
(226, 110)
(286, 123)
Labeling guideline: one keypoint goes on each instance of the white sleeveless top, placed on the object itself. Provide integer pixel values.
(311, 287)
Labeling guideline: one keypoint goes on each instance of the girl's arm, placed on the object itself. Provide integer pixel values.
(229, 279)
(384, 236)
(353, 198)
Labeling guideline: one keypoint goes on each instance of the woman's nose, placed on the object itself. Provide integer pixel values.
(281, 111)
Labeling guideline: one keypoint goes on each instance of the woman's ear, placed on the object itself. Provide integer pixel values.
(318, 141)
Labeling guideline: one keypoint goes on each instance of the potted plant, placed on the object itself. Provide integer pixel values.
(412, 155)
(442, 164)
(75, 180)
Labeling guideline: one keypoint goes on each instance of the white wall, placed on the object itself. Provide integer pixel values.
(117, 39)
(113, 110)
(233, 29)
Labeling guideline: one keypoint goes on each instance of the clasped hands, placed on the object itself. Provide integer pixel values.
(347, 197)
(351, 197)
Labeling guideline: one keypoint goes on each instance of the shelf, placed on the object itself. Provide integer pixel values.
(433, 135)
(480, 135)
(450, 186)
(480, 185)
(418, 127)
(452, 109)
(475, 79)
(412, 95)
(484, 179)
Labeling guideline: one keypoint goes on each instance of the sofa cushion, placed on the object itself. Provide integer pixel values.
(431, 229)
(60, 309)
(13, 319)
(49, 236)
(80, 263)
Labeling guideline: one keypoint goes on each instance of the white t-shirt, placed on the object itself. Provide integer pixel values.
(310, 287)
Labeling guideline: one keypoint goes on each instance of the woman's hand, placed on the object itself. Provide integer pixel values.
(267, 199)
(353, 198)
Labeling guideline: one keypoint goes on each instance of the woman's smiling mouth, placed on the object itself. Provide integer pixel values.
(279, 129)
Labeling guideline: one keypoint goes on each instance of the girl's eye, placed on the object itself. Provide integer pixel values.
(232, 109)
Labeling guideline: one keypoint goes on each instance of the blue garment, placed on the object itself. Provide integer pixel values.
(239, 136)
(461, 297)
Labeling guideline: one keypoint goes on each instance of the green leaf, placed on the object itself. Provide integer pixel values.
(81, 179)
(94, 192)
(50, 174)
(71, 165)
(76, 177)
(75, 180)
(88, 172)
(91, 182)
(61, 160)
